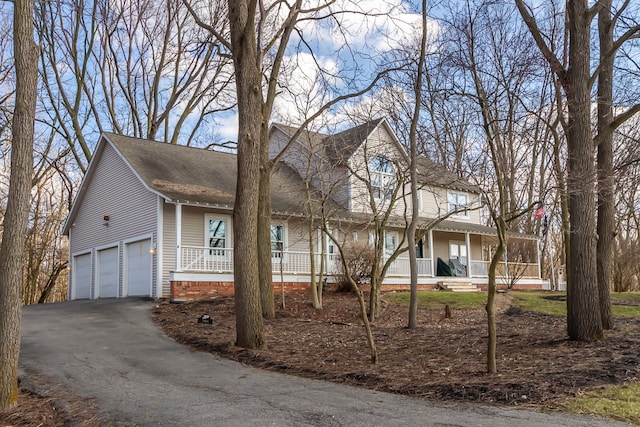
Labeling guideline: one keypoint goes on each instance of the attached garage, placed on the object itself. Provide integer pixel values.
(138, 268)
(82, 276)
(107, 274)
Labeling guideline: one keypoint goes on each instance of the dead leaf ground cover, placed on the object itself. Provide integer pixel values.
(442, 359)
(44, 404)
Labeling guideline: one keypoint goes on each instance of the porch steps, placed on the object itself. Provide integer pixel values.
(458, 286)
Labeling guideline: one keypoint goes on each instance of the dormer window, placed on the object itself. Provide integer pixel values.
(382, 177)
(458, 202)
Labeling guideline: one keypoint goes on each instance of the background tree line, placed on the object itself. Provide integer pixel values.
(530, 101)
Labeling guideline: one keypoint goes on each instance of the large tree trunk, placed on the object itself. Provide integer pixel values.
(583, 311)
(606, 205)
(249, 322)
(18, 200)
(264, 230)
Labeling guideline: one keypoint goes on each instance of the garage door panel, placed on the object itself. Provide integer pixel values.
(82, 276)
(138, 274)
(108, 273)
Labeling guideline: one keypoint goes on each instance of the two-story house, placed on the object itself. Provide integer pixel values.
(155, 219)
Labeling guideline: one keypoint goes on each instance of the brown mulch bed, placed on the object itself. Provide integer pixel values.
(42, 403)
(442, 359)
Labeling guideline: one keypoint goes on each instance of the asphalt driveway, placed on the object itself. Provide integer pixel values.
(111, 351)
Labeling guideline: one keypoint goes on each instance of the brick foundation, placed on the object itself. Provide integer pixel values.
(181, 291)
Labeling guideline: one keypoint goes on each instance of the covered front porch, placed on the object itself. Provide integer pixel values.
(293, 268)
(198, 266)
(218, 261)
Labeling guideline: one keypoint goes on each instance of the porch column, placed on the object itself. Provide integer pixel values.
(538, 256)
(467, 242)
(433, 261)
(505, 256)
(178, 236)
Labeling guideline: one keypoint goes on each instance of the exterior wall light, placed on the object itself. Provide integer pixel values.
(106, 220)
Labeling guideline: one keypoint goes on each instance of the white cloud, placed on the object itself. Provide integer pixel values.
(380, 25)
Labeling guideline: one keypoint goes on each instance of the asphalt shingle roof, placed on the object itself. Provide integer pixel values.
(338, 148)
(202, 176)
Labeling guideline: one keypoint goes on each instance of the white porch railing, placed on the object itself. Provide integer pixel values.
(401, 267)
(206, 259)
(511, 269)
(202, 259)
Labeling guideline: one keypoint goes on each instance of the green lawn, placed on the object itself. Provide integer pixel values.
(624, 304)
(429, 299)
(542, 302)
(618, 402)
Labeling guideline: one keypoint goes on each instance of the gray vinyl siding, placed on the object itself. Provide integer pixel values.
(442, 239)
(297, 236)
(379, 142)
(435, 204)
(168, 246)
(114, 191)
(193, 225)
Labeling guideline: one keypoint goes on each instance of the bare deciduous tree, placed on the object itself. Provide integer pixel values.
(142, 68)
(584, 312)
(17, 212)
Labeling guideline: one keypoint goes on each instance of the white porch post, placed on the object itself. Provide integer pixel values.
(159, 247)
(538, 256)
(467, 242)
(505, 256)
(490, 258)
(433, 261)
(178, 236)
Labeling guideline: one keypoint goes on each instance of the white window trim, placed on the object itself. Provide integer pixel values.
(397, 237)
(462, 215)
(385, 195)
(228, 238)
(459, 243)
(285, 235)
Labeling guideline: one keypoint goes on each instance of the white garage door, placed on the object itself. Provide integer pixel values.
(108, 273)
(82, 276)
(138, 268)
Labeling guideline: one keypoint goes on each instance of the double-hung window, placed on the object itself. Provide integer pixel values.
(217, 235)
(277, 240)
(382, 176)
(458, 202)
(390, 242)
